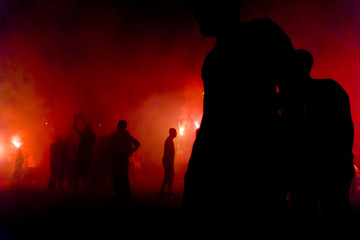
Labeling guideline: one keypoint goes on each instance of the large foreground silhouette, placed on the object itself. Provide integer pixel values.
(234, 169)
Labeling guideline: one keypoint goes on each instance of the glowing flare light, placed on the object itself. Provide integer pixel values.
(197, 125)
(15, 140)
(181, 130)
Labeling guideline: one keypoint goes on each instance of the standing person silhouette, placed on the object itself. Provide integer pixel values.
(56, 150)
(327, 167)
(84, 153)
(121, 146)
(19, 161)
(229, 171)
(168, 162)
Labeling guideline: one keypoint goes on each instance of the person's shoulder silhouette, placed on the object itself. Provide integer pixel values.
(332, 133)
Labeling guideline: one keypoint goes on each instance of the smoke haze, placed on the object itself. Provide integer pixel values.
(141, 61)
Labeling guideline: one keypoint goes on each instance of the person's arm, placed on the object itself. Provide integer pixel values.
(135, 143)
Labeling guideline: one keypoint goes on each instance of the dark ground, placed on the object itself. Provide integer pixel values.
(35, 213)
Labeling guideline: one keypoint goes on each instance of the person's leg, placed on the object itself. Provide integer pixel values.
(121, 180)
(51, 181)
(116, 180)
(127, 189)
(166, 179)
(170, 183)
(164, 182)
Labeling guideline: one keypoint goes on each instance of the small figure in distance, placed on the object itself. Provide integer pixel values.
(168, 162)
(19, 160)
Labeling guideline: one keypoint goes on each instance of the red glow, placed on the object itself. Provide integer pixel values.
(1, 150)
(148, 74)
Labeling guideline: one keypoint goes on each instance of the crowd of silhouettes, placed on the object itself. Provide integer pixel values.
(270, 134)
(93, 167)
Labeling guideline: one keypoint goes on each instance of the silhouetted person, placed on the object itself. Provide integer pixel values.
(233, 168)
(56, 166)
(101, 172)
(302, 191)
(168, 162)
(84, 153)
(19, 161)
(121, 146)
(326, 170)
(71, 151)
(67, 159)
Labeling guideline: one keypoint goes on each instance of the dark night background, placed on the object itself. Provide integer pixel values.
(139, 61)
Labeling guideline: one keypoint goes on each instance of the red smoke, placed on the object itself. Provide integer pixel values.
(107, 64)
(142, 63)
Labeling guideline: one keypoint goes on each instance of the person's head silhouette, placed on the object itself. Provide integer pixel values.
(304, 61)
(172, 133)
(215, 17)
(122, 124)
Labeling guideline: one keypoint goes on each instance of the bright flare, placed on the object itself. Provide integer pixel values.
(181, 130)
(197, 125)
(15, 140)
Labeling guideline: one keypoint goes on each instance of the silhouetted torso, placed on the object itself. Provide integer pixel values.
(55, 155)
(328, 128)
(169, 153)
(168, 163)
(121, 143)
(83, 157)
(233, 161)
(86, 144)
(328, 117)
(19, 160)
